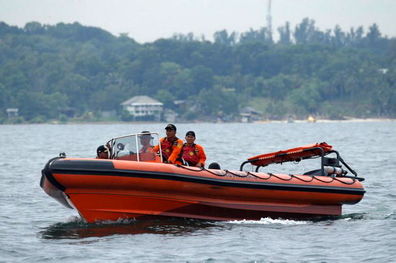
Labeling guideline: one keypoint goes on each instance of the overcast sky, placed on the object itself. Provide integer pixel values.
(148, 20)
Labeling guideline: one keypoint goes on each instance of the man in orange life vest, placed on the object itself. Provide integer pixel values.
(170, 145)
(145, 141)
(193, 154)
(146, 152)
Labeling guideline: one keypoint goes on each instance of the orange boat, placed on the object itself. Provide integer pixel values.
(130, 184)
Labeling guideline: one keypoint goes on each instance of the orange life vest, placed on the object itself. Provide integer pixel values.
(190, 154)
(146, 149)
(167, 147)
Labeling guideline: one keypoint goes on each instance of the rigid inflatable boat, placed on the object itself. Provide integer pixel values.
(130, 184)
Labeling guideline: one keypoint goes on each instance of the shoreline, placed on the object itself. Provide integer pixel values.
(328, 120)
(193, 122)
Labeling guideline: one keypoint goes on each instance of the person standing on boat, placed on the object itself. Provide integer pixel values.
(170, 145)
(193, 154)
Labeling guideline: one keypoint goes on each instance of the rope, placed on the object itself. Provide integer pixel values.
(247, 174)
(352, 179)
(306, 181)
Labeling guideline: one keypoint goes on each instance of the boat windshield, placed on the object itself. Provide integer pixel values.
(135, 147)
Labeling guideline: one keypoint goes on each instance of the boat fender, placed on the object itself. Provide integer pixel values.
(334, 170)
(214, 166)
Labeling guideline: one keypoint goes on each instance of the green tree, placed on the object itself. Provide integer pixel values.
(53, 71)
(307, 98)
(285, 34)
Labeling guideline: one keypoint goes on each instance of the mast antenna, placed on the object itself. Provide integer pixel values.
(269, 20)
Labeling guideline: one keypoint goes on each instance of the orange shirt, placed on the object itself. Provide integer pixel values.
(170, 149)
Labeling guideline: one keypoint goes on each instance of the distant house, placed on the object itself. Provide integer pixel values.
(249, 114)
(143, 108)
(12, 112)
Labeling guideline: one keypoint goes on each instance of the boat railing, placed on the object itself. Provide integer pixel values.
(291, 155)
(329, 166)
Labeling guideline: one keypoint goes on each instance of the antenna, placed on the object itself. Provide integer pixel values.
(269, 20)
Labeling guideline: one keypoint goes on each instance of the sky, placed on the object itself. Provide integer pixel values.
(149, 20)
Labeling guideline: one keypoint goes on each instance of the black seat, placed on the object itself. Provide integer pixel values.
(214, 166)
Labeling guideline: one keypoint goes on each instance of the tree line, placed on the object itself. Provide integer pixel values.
(71, 71)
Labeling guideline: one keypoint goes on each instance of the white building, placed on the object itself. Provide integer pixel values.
(12, 112)
(249, 114)
(143, 108)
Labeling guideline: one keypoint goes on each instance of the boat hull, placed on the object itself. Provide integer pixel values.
(113, 189)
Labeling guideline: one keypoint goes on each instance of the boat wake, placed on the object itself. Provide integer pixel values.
(77, 228)
(353, 216)
(268, 221)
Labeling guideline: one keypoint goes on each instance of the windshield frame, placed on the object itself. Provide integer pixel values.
(111, 144)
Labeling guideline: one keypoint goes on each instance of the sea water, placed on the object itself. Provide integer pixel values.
(36, 228)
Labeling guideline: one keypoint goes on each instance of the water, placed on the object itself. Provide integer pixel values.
(35, 228)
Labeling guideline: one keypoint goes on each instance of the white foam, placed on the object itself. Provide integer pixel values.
(125, 221)
(74, 219)
(268, 221)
